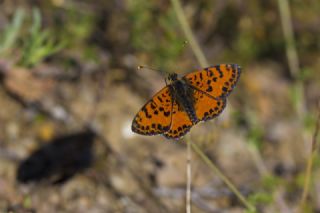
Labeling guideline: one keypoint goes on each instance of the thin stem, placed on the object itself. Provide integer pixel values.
(291, 51)
(292, 55)
(293, 61)
(223, 177)
(314, 148)
(188, 193)
(188, 33)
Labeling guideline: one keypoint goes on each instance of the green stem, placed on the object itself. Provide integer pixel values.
(313, 154)
(292, 55)
(189, 35)
(223, 177)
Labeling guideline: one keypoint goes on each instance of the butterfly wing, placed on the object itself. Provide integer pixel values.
(155, 116)
(207, 107)
(217, 81)
(180, 124)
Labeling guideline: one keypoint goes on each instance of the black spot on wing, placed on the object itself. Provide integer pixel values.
(209, 89)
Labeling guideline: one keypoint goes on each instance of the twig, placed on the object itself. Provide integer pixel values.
(294, 66)
(291, 51)
(314, 148)
(292, 55)
(188, 192)
(189, 35)
(203, 62)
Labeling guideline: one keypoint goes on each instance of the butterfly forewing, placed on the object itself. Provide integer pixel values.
(155, 116)
(217, 81)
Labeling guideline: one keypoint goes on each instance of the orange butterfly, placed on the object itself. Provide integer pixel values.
(198, 96)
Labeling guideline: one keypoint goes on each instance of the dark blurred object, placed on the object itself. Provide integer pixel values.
(59, 160)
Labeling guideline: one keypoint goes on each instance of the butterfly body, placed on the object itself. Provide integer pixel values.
(198, 96)
(180, 93)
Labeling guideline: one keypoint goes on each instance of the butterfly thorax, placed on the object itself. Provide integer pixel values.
(172, 77)
(181, 94)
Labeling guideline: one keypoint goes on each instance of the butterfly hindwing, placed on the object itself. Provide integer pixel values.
(207, 107)
(180, 124)
(217, 81)
(155, 116)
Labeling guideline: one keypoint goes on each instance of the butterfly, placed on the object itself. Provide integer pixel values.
(181, 104)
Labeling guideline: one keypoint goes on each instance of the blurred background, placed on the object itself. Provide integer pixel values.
(70, 88)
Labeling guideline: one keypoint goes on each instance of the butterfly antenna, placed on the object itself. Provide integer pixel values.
(161, 71)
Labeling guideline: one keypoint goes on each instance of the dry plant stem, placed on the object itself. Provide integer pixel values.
(293, 61)
(188, 191)
(291, 52)
(292, 55)
(189, 35)
(294, 64)
(223, 177)
(314, 149)
(203, 62)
